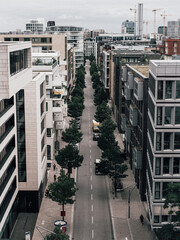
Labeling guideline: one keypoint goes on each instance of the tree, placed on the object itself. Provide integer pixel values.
(75, 109)
(77, 91)
(58, 235)
(166, 232)
(93, 67)
(102, 112)
(72, 134)
(68, 157)
(100, 95)
(92, 58)
(173, 199)
(63, 190)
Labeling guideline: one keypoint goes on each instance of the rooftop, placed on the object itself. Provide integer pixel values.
(144, 70)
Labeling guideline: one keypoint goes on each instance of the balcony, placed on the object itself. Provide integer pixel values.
(138, 89)
(124, 73)
(133, 115)
(58, 117)
(137, 157)
(127, 92)
(130, 80)
(123, 122)
(128, 133)
(60, 125)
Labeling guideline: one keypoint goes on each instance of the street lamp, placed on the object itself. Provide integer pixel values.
(129, 200)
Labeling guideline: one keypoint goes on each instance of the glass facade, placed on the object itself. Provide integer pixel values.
(21, 144)
(18, 61)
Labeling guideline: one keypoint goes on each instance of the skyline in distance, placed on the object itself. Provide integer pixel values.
(107, 15)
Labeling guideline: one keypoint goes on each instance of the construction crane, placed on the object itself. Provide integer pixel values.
(135, 11)
(164, 22)
(155, 10)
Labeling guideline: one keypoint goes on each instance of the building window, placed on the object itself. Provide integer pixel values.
(41, 90)
(48, 132)
(177, 115)
(176, 166)
(177, 89)
(168, 93)
(42, 125)
(42, 143)
(16, 39)
(158, 141)
(165, 189)
(27, 39)
(43, 40)
(48, 152)
(18, 61)
(167, 115)
(156, 219)
(42, 108)
(164, 218)
(46, 106)
(160, 89)
(177, 140)
(35, 39)
(166, 165)
(157, 190)
(44, 48)
(159, 116)
(167, 140)
(7, 39)
(158, 166)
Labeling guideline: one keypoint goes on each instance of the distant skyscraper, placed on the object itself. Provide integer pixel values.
(140, 20)
(173, 28)
(35, 25)
(160, 30)
(128, 27)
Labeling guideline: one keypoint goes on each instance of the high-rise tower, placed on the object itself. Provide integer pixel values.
(140, 20)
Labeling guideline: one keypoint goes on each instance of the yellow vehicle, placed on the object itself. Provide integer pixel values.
(95, 126)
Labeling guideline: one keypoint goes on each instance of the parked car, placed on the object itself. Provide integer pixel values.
(95, 136)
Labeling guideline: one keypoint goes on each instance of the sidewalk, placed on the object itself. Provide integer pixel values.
(128, 228)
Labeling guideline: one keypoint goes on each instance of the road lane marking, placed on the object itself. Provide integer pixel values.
(90, 163)
(90, 150)
(91, 170)
(92, 208)
(91, 186)
(92, 233)
(91, 177)
(91, 196)
(92, 220)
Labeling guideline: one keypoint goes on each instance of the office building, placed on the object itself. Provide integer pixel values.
(90, 47)
(140, 20)
(23, 135)
(128, 27)
(75, 37)
(35, 25)
(173, 28)
(163, 137)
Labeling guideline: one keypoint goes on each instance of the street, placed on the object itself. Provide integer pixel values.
(91, 214)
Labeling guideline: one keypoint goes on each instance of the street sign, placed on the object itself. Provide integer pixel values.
(63, 213)
(27, 236)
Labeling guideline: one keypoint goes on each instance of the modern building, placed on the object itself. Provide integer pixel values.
(23, 135)
(56, 97)
(140, 20)
(93, 33)
(105, 70)
(75, 37)
(163, 137)
(35, 25)
(134, 121)
(160, 30)
(90, 47)
(173, 28)
(128, 27)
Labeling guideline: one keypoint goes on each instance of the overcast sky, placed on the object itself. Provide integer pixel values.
(91, 14)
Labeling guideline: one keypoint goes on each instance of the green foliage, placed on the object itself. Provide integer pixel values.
(108, 126)
(93, 67)
(77, 91)
(166, 232)
(173, 199)
(63, 190)
(95, 77)
(102, 112)
(69, 156)
(72, 134)
(75, 109)
(58, 235)
(92, 58)
(100, 95)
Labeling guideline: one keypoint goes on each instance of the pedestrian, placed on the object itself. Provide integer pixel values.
(54, 167)
(54, 177)
(142, 219)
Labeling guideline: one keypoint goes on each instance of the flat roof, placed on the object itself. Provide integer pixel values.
(144, 70)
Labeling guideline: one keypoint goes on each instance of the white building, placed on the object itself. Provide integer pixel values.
(90, 47)
(140, 20)
(22, 135)
(173, 28)
(105, 74)
(163, 146)
(75, 36)
(56, 94)
(35, 25)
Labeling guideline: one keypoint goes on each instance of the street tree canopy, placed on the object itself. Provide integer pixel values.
(58, 235)
(102, 112)
(69, 155)
(75, 109)
(72, 134)
(63, 190)
(100, 95)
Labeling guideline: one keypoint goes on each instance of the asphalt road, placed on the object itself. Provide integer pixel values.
(91, 214)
